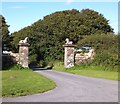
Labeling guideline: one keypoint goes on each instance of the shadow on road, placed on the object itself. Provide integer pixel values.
(38, 68)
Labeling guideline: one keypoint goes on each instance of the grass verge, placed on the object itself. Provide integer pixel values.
(24, 82)
(0, 84)
(90, 71)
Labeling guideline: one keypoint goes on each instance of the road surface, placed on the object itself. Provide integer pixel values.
(73, 88)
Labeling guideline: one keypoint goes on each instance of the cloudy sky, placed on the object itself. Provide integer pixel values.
(21, 14)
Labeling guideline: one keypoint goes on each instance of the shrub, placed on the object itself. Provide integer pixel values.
(7, 61)
(42, 63)
(106, 48)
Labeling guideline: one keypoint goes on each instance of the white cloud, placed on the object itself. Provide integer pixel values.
(69, 2)
(17, 7)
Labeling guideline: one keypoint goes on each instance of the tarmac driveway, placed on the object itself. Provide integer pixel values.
(73, 88)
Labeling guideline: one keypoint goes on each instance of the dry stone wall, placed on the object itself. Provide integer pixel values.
(72, 55)
(82, 57)
(21, 57)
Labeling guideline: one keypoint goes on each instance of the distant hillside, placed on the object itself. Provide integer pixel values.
(47, 36)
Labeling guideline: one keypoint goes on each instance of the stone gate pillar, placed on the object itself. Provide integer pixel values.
(69, 54)
(23, 52)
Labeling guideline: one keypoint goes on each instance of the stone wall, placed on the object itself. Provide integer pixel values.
(81, 57)
(72, 55)
(21, 57)
(14, 56)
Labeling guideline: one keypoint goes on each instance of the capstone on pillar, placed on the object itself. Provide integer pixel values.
(23, 52)
(69, 54)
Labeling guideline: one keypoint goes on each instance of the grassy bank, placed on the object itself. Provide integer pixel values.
(90, 71)
(0, 84)
(24, 82)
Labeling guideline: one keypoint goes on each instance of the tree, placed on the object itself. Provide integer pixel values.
(7, 61)
(47, 36)
(5, 33)
(94, 22)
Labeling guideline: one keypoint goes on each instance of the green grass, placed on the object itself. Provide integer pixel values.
(24, 82)
(0, 84)
(90, 71)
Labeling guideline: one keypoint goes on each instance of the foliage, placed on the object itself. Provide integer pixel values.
(17, 82)
(42, 63)
(7, 62)
(106, 48)
(5, 34)
(94, 23)
(32, 60)
(5, 45)
(47, 36)
(18, 67)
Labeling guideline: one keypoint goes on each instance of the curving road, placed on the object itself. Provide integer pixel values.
(73, 88)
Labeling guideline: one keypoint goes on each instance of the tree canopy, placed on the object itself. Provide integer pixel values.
(5, 33)
(47, 36)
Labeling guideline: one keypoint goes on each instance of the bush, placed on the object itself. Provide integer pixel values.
(106, 48)
(18, 67)
(7, 61)
(50, 65)
(42, 64)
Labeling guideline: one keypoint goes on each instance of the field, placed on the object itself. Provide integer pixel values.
(24, 82)
(90, 71)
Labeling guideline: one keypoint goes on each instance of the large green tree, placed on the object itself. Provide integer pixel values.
(93, 22)
(74, 24)
(5, 33)
(47, 36)
(5, 43)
